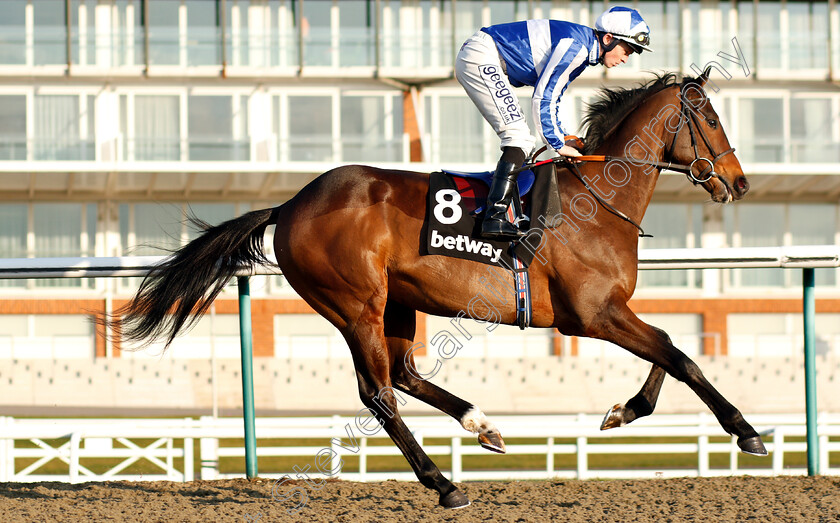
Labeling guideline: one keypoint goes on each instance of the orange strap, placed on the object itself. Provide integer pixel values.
(589, 158)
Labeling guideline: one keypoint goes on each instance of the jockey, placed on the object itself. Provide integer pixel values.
(548, 55)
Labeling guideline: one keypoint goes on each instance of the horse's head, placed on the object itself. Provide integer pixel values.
(701, 143)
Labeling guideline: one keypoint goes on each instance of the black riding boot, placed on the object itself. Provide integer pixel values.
(502, 191)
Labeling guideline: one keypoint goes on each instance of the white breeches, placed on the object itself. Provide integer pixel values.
(479, 70)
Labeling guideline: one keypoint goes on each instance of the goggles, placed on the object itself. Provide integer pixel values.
(640, 38)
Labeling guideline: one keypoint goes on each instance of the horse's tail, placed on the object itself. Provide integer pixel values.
(178, 291)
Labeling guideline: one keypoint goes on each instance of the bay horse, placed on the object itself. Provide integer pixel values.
(350, 243)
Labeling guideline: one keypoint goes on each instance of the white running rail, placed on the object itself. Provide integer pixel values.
(83, 443)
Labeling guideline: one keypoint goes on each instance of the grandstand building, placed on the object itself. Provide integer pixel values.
(117, 116)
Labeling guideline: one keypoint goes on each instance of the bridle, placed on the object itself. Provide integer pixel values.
(690, 117)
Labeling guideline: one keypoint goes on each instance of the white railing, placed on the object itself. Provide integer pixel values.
(731, 257)
(76, 442)
(80, 441)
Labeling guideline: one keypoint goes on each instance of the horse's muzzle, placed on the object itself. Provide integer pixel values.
(740, 187)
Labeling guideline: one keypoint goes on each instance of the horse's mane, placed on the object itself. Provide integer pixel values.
(614, 104)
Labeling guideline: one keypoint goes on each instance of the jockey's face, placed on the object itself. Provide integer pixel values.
(618, 54)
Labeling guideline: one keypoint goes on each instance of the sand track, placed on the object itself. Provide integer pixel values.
(733, 499)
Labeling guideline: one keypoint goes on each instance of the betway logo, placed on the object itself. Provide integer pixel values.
(464, 243)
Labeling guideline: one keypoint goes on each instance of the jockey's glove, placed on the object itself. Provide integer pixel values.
(567, 150)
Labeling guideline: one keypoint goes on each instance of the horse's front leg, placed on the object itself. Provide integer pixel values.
(619, 325)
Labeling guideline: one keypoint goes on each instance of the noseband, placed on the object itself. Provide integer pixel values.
(690, 118)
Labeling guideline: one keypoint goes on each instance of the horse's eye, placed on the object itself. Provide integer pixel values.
(712, 123)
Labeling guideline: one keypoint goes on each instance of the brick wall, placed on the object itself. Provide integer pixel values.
(714, 314)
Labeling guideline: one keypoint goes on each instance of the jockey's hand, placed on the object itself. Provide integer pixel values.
(568, 151)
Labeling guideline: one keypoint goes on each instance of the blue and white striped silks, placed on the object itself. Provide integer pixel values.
(548, 55)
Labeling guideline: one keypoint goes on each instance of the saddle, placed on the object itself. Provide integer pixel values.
(525, 181)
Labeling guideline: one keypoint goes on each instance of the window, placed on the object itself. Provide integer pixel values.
(761, 130)
(13, 127)
(13, 32)
(317, 33)
(212, 213)
(310, 129)
(371, 128)
(771, 225)
(126, 40)
(808, 34)
(149, 229)
(83, 33)
(663, 17)
(504, 11)
(469, 18)
(283, 42)
(50, 32)
(455, 130)
(835, 45)
(64, 127)
(417, 34)
(63, 230)
(811, 129)
(813, 224)
(746, 33)
(156, 131)
(709, 30)
(13, 229)
(204, 37)
(154, 229)
(164, 35)
(769, 22)
(755, 225)
(47, 230)
(217, 128)
(673, 226)
(356, 33)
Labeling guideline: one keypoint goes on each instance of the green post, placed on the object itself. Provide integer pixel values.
(247, 376)
(808, 311)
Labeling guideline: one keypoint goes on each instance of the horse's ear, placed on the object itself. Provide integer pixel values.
(703, 78)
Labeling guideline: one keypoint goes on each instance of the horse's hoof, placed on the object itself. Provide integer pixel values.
(492, 441)
(614, 418)
(455, 499)
(752, 445)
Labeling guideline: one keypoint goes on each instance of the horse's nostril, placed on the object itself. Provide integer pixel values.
(742, 184)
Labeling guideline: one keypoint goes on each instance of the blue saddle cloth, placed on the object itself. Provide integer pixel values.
(525, 181)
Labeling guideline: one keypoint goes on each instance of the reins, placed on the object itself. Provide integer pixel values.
(571, 162)
(607, 205)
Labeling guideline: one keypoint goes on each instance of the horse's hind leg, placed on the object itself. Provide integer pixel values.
(400, 326)
(622, 327)
(643, 403)
(370, 355)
